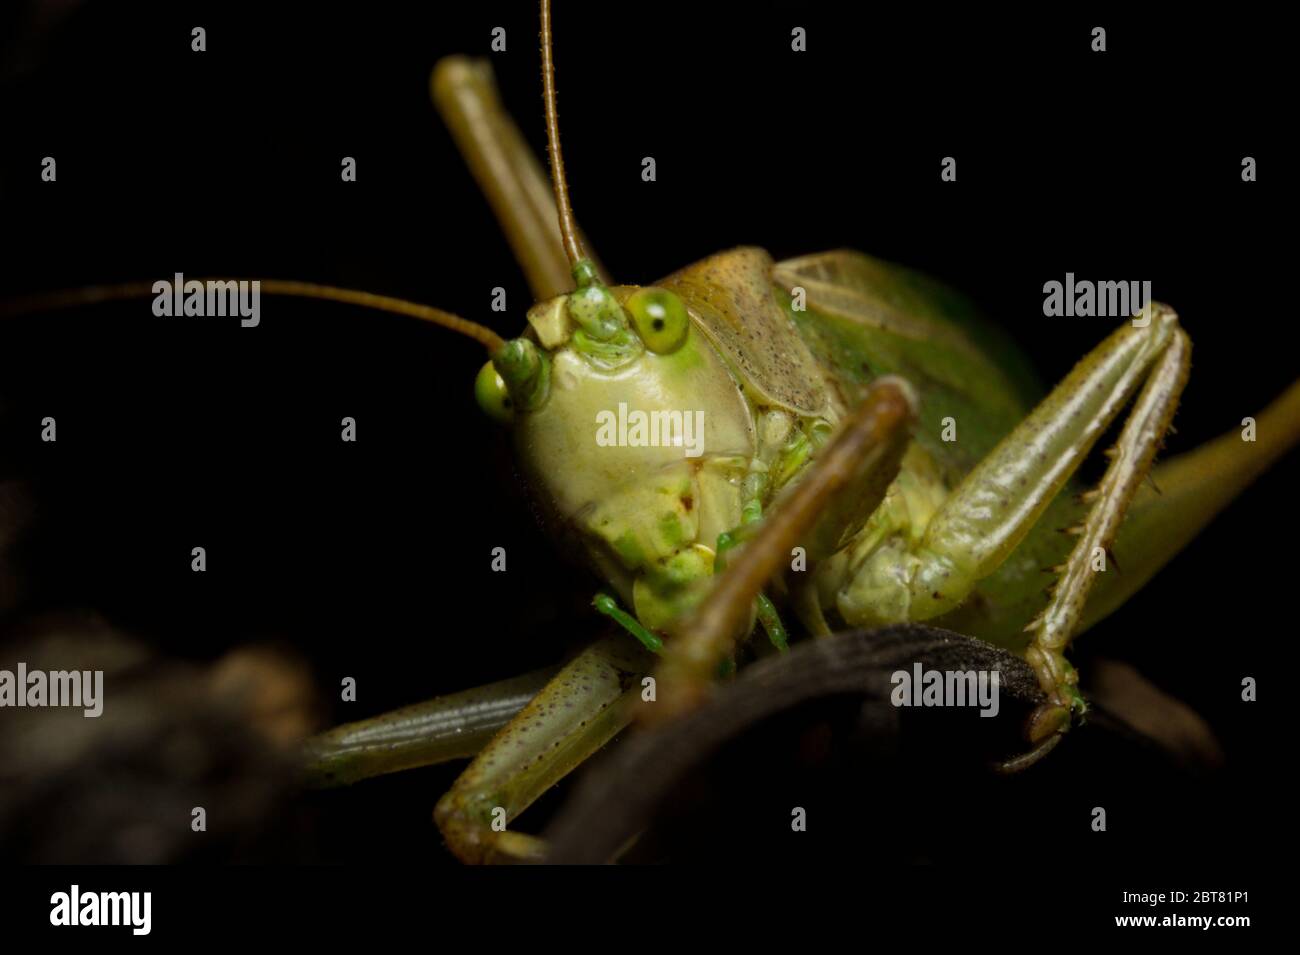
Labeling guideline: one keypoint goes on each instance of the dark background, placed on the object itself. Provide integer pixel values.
(372, 559)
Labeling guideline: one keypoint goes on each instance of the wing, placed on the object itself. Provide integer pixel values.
(866, 318)
(731, 297)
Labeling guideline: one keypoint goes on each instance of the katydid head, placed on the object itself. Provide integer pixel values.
(632, 432)
(609, 327)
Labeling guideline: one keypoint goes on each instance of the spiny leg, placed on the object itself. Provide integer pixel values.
(1130, 464)
(573, 716)
(455, 726)
(1186, 493)
(862, 458)
(996, 505)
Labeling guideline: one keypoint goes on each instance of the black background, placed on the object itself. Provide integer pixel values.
(372, 559)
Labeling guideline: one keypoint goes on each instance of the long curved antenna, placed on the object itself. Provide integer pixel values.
(568, 230)
(94, 294)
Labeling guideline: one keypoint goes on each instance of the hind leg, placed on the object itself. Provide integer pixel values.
(1002, 498)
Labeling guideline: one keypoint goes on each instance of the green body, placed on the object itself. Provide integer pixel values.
(772, 380)
(864, 318)
(900, 517)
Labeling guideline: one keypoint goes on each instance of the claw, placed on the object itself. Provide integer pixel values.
(1047, 720)
(1065, 708)
(1078, 705)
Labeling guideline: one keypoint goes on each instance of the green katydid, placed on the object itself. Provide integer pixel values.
(824, 384)
(894, 523)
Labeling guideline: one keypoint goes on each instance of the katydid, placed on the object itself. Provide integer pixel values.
(825, 383)
(817, 489)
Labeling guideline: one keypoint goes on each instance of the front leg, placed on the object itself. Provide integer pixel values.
(861, 459)
(573, 716)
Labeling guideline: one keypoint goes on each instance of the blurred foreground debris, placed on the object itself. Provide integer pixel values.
(173, 736)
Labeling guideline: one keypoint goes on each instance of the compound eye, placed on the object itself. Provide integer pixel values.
(492, 394)
(660, 318)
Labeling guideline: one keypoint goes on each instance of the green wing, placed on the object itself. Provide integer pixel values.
(865, 318)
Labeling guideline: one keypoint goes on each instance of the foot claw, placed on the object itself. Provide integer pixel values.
(1046, 720)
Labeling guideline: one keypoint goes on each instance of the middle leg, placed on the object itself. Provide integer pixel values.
(584, 706)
